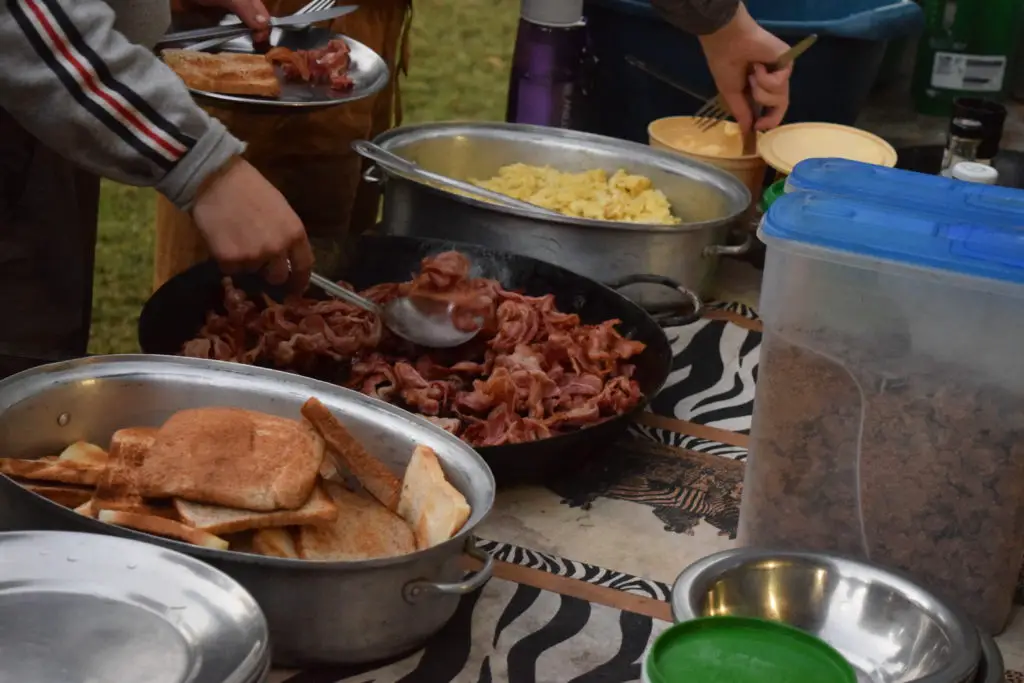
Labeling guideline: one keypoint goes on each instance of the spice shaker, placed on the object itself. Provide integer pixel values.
(964, 141)
(992, 117)
(548, 63)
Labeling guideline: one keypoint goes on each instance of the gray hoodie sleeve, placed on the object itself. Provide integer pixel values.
(699, 17)
(106, 104)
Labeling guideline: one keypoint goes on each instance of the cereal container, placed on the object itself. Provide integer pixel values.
(889, 417)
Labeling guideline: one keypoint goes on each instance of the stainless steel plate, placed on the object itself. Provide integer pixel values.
(887, 627)
(87, 608)
(368, 72)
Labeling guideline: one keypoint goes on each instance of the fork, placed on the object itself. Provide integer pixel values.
(314, 6)
(715, 111)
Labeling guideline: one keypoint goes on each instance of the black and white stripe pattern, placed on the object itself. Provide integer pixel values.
(520, 633)
(88, 79)
(534, 559)
(714, 371)
(693, 443)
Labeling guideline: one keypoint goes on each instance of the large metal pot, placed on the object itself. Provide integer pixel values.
(318, 612)
(709, 201)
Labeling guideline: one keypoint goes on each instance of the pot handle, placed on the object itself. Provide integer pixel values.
(664, 319)
(414, 591)
(731, 249)
(374, 175)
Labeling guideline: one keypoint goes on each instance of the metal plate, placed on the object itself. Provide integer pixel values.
(83, 608)
(368, 72)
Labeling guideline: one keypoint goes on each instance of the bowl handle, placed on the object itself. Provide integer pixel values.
(414, 591)
(664, 319)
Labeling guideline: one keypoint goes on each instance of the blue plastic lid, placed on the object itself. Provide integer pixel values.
(900, 235)
(931, 194)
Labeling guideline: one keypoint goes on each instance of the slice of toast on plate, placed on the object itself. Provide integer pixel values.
(227, 72)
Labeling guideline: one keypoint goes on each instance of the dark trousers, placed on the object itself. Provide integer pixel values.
(48, 216)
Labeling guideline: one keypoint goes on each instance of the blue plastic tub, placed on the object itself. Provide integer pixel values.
(831, 81)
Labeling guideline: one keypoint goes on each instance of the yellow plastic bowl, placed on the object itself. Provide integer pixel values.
(722, 147)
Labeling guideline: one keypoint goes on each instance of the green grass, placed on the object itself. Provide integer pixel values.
(461, 51)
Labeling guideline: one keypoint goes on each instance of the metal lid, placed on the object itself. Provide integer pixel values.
(552, 12)
(786, 146)
(973, 172)
(966, 128)
(82, 607)
(742, 650)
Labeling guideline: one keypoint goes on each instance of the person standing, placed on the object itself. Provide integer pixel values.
(737, 50)
(82, 96)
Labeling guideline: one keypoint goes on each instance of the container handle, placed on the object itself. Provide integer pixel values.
(414, 591)
(374, 175)
(730, 249)
(664, 319)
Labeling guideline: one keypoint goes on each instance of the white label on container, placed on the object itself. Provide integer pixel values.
(977, 73)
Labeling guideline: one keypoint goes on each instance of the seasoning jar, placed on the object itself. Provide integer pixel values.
(964, 140)
(974, 172)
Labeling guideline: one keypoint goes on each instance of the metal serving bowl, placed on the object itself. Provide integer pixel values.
(991, 669)
(710, 202)
(888, 628)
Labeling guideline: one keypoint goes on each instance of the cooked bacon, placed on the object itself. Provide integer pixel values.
(327, 65)
(531, 372)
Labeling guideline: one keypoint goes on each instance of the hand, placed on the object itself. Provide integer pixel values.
(737, 54)
(253, 14)
(247, 224)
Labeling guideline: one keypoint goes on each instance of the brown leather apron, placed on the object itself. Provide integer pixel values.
(47, 247)
(308, 156)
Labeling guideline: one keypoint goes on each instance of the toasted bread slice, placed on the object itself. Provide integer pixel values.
(86, 509)
(85, 453)
(233, 458)
(221, 520)
(275, 543)
(228, 73)
(66, 495)
(162, 527)
(47, 469)
(374, 475)
(364, 530)
(117, 487)
(430, 504)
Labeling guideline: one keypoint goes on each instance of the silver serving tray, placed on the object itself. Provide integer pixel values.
(368, 71)
(82, 607)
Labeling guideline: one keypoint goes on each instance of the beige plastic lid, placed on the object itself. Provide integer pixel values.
(786, 146)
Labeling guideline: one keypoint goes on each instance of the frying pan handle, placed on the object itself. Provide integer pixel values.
(414, 591)
(664, 319)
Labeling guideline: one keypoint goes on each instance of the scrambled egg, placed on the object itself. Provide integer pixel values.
(728, 142)
(590, 194)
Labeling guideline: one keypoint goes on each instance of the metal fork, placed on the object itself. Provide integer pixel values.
(715, 111)
(315, 6)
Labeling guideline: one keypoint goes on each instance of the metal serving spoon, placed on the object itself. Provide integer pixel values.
(429, 326)
(403, 167)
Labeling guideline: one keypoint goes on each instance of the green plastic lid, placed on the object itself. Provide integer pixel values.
(743, 650)
(774, 191)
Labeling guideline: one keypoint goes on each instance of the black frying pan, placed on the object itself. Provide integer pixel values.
(174, 314)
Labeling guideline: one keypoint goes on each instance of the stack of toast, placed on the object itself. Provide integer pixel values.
(227, 478)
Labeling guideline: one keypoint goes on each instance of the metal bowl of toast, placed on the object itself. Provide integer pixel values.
(371, 580)
(887, 627)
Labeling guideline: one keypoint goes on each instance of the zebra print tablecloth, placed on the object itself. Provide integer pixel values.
(664, 497)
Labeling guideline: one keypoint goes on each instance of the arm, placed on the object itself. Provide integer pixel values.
(699, 17)
(110, 106)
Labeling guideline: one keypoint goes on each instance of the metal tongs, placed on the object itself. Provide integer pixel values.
(237, 30)
(411, 171)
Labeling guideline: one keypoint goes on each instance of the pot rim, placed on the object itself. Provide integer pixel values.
(735, 192)
(124, 366)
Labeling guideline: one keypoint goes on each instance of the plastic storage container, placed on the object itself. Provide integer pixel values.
(928, 194)
(889, 417)
(830, 82)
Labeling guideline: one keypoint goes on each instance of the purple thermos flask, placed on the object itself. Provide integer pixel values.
(547, 66)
